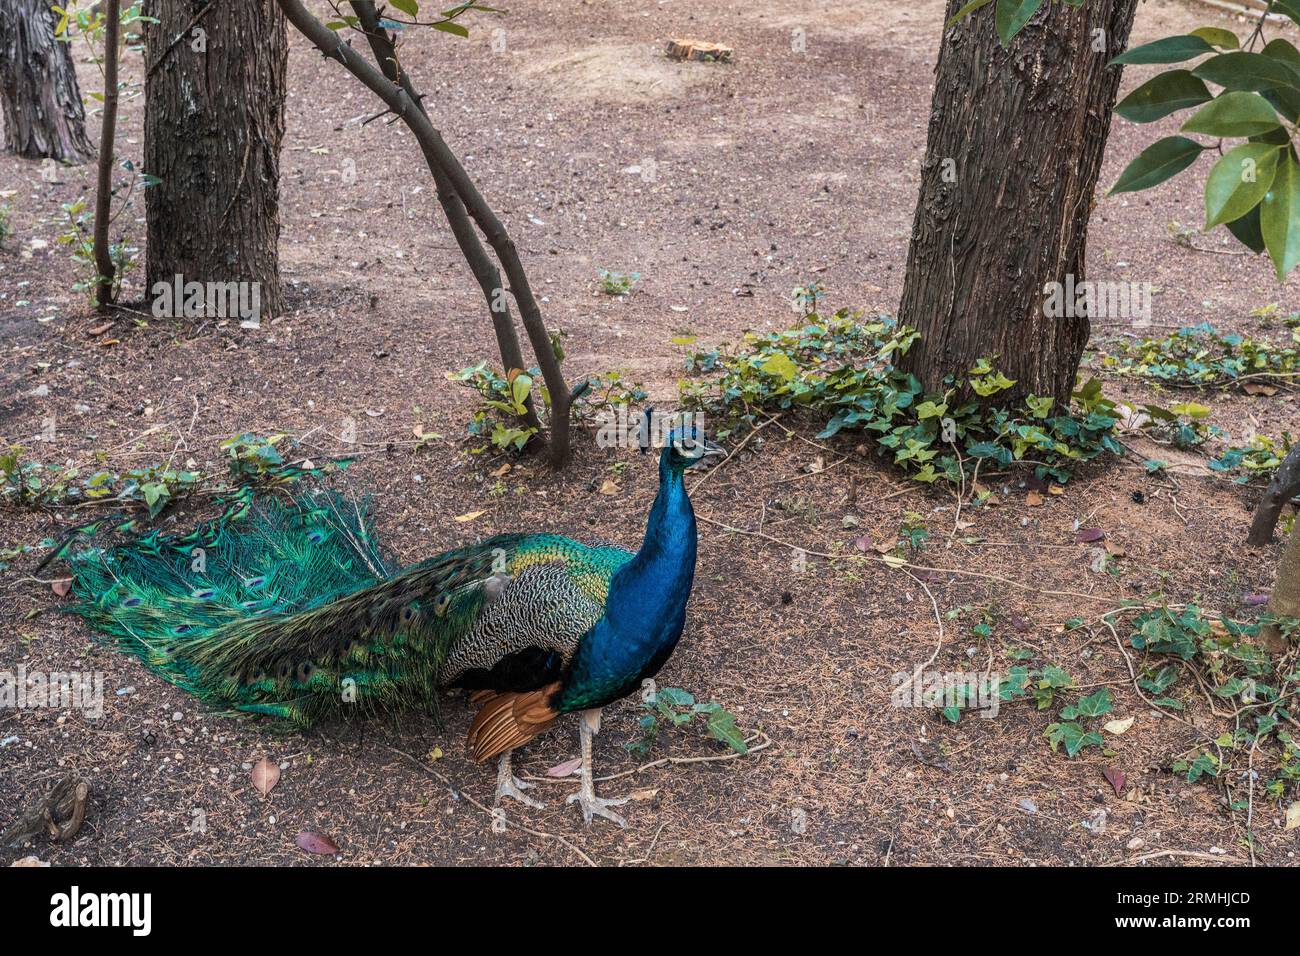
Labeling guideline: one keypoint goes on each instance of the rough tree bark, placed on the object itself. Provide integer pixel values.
(39, 95)
(107, 136)
(1284, 486)
(214, 121)
(1285, 601)
(1021, 130)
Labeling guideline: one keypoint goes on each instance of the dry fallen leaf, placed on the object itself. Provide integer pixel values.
(1118, 727)
(1251, 388)
(1033, 499)
(609, 488)
(564, 769)
(1115, 778)
(101, 329)
(1293, 816)
(1114, 550)
(62, 586)
(316, 842)
(501, 471)
(265, 775)
(646, 793)
(468, 516)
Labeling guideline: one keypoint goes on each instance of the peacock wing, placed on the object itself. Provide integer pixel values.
(547, 593)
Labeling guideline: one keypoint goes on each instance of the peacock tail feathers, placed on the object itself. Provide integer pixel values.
(287, 607)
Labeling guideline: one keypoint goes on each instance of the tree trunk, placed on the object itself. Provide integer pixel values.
(39, 96)
(107, 160)
(1285, 602)
(1015, 147)
(214, 120)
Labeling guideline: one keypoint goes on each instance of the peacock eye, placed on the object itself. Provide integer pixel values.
(305, 670)
(444, 601)
(408, 614)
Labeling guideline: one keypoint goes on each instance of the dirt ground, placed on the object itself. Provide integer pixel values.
(782, 166)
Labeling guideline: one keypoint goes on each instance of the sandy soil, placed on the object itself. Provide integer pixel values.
(782, 166)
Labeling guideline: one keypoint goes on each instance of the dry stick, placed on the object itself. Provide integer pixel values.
(488, 810)
(734, 452)
(904, 564)
(1164, 853)
(104, 183)
(485, 272)
(938, 619)
(673, 761)
(437, 153)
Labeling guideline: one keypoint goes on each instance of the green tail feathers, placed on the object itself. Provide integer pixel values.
(285, 608)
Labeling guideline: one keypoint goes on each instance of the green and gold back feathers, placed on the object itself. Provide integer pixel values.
(289, 610)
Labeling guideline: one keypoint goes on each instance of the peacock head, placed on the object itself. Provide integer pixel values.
(685, 446)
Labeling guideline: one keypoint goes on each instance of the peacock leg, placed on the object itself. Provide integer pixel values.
(592, 805)
(508, 785)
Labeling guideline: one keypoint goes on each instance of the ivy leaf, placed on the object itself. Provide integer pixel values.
(1167, 93)
(1168, 50)
(1238, 181)
(1234, 114)
(1095, 705)
(1073, 736)
(1280, 217)
(722, 725)
(780, 365)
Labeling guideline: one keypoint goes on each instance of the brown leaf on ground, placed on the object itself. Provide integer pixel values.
(265, 775)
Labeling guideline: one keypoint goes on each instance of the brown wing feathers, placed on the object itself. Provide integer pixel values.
(510, 719)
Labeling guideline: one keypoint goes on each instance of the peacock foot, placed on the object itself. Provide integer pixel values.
(593, 805)
(508, 785)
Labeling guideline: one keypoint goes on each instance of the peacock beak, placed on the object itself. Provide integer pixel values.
(713, 449)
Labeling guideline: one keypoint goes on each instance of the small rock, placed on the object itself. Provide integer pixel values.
(1136, 843)
(1028, 805)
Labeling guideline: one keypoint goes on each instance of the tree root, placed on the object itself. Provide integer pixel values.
(58, 815)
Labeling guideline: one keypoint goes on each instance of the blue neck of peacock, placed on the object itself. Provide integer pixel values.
(646, 607)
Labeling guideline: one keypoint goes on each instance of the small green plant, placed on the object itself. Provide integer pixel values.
(33, 484)
(79, 236)
(805, 298)
(504, 404)
(6, 225)
(617, 283)
(1198, 355)
(1239, 673)
(677, 708)
(843, 371)
(501, 415)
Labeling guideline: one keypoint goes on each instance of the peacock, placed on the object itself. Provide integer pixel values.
(291, 609)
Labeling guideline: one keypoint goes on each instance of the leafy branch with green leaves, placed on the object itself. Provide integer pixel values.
(1253, 189)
